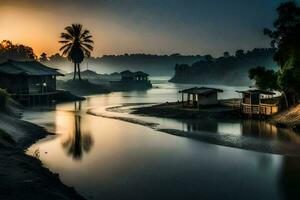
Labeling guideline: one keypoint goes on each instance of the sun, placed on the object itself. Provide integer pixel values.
(5, 44)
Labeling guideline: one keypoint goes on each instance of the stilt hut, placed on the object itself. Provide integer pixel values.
(28, 81)
(200, 96)
(132, 81)
(141, 76)
(258, 102)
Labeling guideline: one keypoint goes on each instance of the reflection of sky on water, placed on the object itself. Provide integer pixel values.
(111, 159)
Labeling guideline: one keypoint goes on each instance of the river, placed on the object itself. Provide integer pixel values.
(105, 158)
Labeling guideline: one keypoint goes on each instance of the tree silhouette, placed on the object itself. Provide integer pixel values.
(43, 57)
(239, 53)
(265, 79)
(8, 50)
(76, 44)
(226, 54)
(286, 42)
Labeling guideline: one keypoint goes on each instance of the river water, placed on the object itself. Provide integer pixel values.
(105, 158)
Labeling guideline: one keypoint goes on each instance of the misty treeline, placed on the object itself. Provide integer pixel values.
(152, 64)
(285, 39)
(227, 69)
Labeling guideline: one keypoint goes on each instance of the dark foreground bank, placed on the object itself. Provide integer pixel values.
(23, 176)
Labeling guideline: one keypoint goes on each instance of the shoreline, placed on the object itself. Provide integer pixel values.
(24, 176)
(227, 140)
(243, 142)
(126, 119)
(176, 111)
(287, 119)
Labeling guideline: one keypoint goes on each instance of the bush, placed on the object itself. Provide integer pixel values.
(3, 98)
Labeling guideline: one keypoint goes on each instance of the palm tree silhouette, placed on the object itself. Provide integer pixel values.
(76, 44)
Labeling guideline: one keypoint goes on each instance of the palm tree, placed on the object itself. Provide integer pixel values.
(76, 44)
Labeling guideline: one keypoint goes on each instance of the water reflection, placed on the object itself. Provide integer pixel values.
(290, 177)
(128, 161)
(250, 128)
(78, 142)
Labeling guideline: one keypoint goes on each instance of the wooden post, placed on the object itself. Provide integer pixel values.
(250, 104)
(194, 99)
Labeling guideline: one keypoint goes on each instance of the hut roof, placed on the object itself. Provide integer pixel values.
(126, 73)
(29, 68)
(256, 91)
(200, 90)
(140, 73)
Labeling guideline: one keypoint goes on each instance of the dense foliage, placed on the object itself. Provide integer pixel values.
(286, 42)
(8, 50)
(266, 79)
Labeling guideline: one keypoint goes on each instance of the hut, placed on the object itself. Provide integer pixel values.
(258, 102)
(140, 76)
(127, 76)
(28, 81)
(132, 81)
(200, 96)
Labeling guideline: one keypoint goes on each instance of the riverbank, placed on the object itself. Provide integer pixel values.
(23, 176)
(241, 142)
(177, 111)
(236, 141)
(289, 118)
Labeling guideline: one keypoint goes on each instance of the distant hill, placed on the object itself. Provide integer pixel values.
(155, 65)
(229, 70)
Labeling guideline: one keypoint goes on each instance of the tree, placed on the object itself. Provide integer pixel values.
(43, 57)
(239, 53)
(286, 42)
(208, 58)
(285, 38)
(226, 54)
(76, 43)
(265, 79)
(8, 50)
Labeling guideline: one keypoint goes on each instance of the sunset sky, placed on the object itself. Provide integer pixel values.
(141, 26)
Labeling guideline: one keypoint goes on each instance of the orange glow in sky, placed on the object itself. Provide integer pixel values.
(134, 26)
(40, 30)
